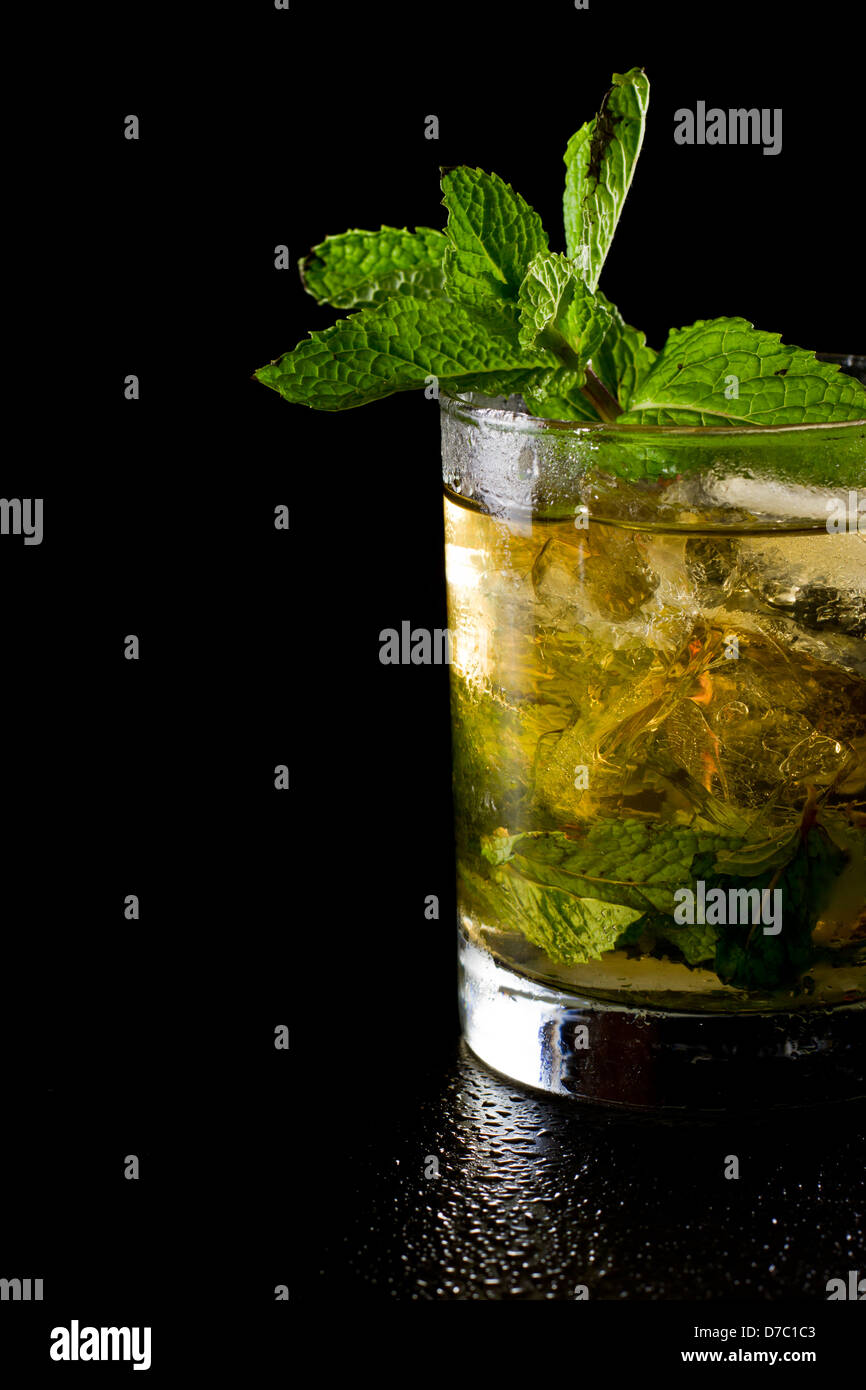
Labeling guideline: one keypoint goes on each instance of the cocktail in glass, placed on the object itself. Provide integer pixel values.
(659, 732)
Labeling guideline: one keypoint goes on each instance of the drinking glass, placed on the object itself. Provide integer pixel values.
(658, 685)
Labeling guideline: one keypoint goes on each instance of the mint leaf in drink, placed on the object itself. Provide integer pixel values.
(600, 162)
(370, 267)
(624, 358)
(554, 889)
(656, 934)
(558, 885)
(751, 959)
(697, 944)
(394, 347)
(493, 234)
(634, 862)
(758, 856)
(569, 928)
(726, 372)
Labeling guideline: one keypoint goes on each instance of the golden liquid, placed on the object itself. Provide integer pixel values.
(599, 671)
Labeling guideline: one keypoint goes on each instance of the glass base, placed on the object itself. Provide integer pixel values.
(650, 1059)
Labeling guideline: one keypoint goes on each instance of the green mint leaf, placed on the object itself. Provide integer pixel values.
(698, 944)
(658, 933)
(694, 379)
(568, 928)
(600, 162)
(559, 311)
(624, 359)
(745, 955)
(491, 383)
(577, 898)
(805, 869)
(393, 347)
(495, 732)
(638, 864)
(558, 395)
(493, 234)
(370, 267)
(756, 857)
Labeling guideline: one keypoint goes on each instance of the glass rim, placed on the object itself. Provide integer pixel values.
(461, 407)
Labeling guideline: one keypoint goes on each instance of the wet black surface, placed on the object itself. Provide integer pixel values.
(477, 1189)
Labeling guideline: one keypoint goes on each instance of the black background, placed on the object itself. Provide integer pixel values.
(261, 128)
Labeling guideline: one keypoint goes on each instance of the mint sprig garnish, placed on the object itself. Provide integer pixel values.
(492, 236)
(560, 315)
(725, 372)
(485, 306)
(559, 311)
(624, 358)
(394, 347)
(600, 162)
(370, 267)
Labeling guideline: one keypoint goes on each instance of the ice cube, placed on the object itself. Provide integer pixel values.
(600, 572)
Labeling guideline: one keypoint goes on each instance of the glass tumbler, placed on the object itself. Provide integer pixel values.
(658, 686)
